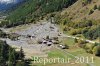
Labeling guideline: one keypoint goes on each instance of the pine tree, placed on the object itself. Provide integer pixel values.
(21, 54)
(99, 33)
(11, 59)
(13, 56)
(99, 7)
(1, 55)
(95, 7)
(20, 64)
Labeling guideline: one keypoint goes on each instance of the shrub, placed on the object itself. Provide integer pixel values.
(40, 42)
(66, 46)
(75, 31)
(99, 7)
(96, 50)
(81, 43)
(95, 7)
(66, 21)
(55, 38)
(20, 64)
(76, 40)
(91, 11)
(87, 1)
(47, 37)
(89, 48)
(66, 29)
(2, 34)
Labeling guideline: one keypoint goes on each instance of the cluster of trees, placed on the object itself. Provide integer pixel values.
(2, 34)
(94, 8)
(10, 57)
(32, 10)
(92, 33)
(92, 48)
(12, 36)
(88, 28)
(88, 47)
(85, 2)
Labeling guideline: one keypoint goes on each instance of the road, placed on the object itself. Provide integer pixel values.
(89, 41)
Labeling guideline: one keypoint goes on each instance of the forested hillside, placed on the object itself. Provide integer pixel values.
(50, 29)
(82, 19)
(76, 17)
(10, 57)
(32, 9)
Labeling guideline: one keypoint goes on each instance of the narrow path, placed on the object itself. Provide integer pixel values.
(74, 37)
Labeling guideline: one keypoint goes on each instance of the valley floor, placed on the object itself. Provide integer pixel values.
(40, 31)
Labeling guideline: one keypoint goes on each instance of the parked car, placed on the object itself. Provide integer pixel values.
(63, 46)
(49, 43)
(44, 42)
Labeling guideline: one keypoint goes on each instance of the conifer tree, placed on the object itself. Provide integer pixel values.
(21, 54)
(20, 64)
(95, 7)
(11, 57)
(1, 54)
(99, 7)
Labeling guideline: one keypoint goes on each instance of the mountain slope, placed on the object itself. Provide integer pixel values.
(32, 9)
(81, 19)
(76, 17)
(79, 11)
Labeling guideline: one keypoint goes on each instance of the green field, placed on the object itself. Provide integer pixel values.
(73, 50)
